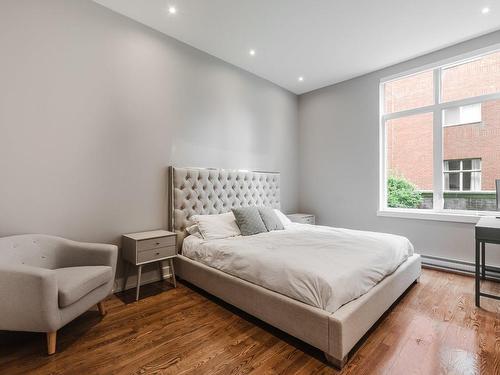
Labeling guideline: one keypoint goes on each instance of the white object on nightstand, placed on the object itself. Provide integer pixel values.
(148, 247)
(302, 218)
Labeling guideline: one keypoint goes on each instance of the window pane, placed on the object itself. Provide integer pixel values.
(466, 177)
(477, 77)
(451, 116)
(409, 161)
(477, 147)
(454, 181)
(470, 113)
(409, 92)
(453, 165)
(475, 181)
(466, 114)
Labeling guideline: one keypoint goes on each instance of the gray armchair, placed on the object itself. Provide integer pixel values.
(46, 282)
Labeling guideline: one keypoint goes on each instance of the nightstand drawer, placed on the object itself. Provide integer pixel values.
(155, 254)
(155, 243)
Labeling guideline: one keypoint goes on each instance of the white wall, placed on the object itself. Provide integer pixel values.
(339, 166)
(94, 107)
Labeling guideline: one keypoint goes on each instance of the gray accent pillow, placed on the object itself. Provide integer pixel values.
(270, 219)
(249, 220)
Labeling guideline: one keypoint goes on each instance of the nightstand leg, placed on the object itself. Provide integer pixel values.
(172, 271)
(160, 265)
(483, 257)
(139, 271)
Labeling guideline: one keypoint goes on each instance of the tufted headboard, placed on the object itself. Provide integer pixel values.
(197, 191)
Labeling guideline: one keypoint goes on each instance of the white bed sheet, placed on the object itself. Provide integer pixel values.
(321, 266)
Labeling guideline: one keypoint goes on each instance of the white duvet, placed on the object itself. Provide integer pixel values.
(322, 266)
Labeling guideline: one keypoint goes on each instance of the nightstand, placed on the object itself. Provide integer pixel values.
(148, 247)
(302, 218)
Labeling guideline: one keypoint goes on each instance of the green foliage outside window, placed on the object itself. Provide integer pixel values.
(401, 193)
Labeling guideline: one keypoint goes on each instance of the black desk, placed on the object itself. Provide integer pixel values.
(487, 231)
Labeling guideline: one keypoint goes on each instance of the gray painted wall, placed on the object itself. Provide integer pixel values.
(339, 166)
(94, 107)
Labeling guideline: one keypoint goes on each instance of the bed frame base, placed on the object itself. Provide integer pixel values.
(338, 363)
(335, 334)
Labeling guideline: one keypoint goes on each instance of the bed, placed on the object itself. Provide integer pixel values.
(318, 314)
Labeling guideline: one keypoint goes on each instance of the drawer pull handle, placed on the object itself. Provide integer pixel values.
(157, 243)
(157, 253)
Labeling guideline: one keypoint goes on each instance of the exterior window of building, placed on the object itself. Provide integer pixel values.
(462, 175)
(440, 137)
(466, 114)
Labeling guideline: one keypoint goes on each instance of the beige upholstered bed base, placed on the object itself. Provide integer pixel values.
(335, 334)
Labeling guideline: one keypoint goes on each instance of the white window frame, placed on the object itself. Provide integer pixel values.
(437, 213)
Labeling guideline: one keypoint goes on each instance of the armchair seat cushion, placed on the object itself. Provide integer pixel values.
(74, 283)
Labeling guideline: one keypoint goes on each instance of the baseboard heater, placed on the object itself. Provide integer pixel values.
(458, 266)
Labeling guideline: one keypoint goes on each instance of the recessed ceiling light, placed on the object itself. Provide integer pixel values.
(301, 79)
(485, 10)
(252, 52)
(172, 10)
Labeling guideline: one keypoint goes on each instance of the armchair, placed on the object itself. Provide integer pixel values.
(47, 281)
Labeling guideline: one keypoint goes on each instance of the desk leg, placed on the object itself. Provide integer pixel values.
(477, 276)
(139, 272)
(483, 258)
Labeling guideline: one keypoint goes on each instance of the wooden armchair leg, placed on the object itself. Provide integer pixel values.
(102, 308)
(51, 342)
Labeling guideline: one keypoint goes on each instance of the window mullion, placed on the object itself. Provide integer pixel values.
(437, 176)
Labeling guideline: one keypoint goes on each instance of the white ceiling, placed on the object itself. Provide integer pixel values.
(325, 41)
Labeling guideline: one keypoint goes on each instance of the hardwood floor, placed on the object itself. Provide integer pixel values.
(434, 329)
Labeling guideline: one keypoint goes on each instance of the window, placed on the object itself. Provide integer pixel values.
(466, 114)
(440, 144)
(462, 175)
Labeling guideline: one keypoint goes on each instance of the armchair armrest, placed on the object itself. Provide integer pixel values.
(74, 254)
(28, 299)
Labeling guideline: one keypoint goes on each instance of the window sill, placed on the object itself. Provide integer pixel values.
(471, 217)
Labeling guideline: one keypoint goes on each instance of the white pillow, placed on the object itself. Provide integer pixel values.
(214, 227)
(283, 218)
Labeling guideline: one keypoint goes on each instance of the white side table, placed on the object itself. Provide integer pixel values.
(148, 247)
(302, 218)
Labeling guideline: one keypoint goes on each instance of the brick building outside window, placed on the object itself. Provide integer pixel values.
(470, 151)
